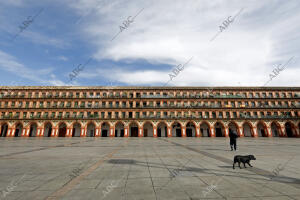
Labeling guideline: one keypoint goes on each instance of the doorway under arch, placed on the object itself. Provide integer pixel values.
(162, 130)
(290, 129)
(148, 129)
(262, 130)
(4, 130)
(47, 129)
(19, 130)
(275, 129)
(247, 130)
(76, 132)
(219, 129)
(190, 129)
(33, 130)
(105, 129)
(205, 129)
(133, 129)
(90, 132)
(119, 129)
(176, 129)
(62, 130)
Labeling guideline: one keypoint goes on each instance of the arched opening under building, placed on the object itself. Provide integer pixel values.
(162, 130)
(48, 130)
(176, 129)
(262, 130)
(234, 127)
(247, 130)
(275, 129)
(33, 130)
(290, 129)
(119, 129)
(133, 129)
(105, 129)
(4, 129)
(148, 129)
(219, 129)
(205, 129)
(76, 132)
(62, 130)
(90, 132)
(19, 129)
(190, 129)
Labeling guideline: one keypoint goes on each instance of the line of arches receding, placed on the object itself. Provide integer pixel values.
(147, 129)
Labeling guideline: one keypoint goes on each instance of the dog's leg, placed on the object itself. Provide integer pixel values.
(250, 164)
(240, 165)
(245, 165)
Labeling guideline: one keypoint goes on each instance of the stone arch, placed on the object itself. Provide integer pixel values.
(148, 129)
(33, 129)
(205, 129)
(62, 129)
(90, 129)
(190, 129)
(248, 129)
(48, 129)
(19, 129)
(133, 129)
(119, 129)
(262, 130)
(162, 129)
(76, 132)
(235, 127)
(275, 129)
(290, 129)
(176, 129)
(219, 129)
(105, 127)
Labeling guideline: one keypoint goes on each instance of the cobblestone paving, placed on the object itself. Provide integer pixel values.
(147, 168)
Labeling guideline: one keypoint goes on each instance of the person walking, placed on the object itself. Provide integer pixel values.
(232, 135)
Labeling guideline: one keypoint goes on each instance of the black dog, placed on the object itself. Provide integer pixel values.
(243, 159)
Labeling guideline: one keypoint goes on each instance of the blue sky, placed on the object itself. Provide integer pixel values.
(165, 34)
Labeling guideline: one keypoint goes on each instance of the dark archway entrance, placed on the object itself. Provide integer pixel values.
(176, 130)
(48, 130)
(62, 130)
(262, 130)
(205, 129)
(190, 129)
(162, 130)
(33, 130)
(247, 129)
(105, 130)
(275, 128)
(219, 129)
(19, 129)
(90, 132)
(4, 129)
(148, 129)
(119, 129)
(290, 129)
(133, 130)
(76, 132)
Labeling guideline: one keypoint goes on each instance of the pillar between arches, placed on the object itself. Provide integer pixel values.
(69, 132)
(83, 132)
(10, 132)
(269, 131)
(98, 131)
(212, 132)
(154, 131)
(26, 132)
(198, 132)
(40, 131)
(241, 131)
(255, 131)
(54, 132)
(141, 132)
(183, 131)
(226, 132)
(126, 131)
(111, 132)
(169, 131)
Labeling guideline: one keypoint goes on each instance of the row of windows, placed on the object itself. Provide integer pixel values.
(149, 114)
(118, 94)
(145, 104)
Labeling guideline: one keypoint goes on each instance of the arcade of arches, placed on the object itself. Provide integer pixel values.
(149, 129)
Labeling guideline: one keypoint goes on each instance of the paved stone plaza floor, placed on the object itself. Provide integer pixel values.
(147, 168)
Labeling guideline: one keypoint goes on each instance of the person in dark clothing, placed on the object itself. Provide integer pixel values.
(232, 135)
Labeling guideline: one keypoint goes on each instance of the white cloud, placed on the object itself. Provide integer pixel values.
(172, 31)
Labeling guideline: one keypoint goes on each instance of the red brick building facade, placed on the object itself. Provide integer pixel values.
(149, 111)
